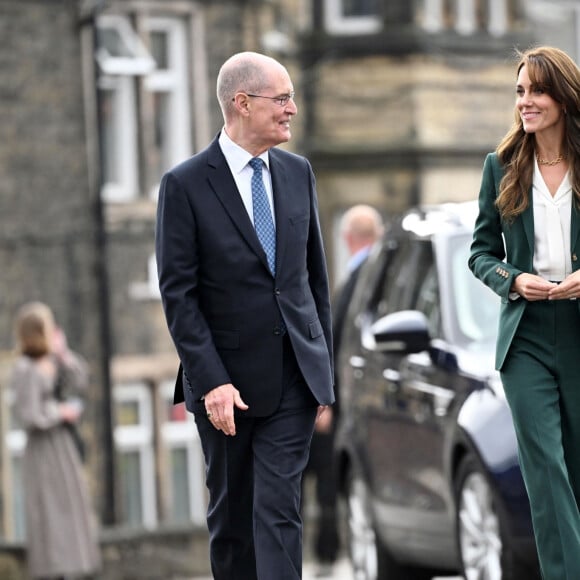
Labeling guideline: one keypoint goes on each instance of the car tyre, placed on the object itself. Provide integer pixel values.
(484, 545)
(369, 558)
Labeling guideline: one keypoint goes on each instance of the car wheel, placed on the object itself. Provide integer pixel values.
(485, 550)
(369, 558)
(362, 539)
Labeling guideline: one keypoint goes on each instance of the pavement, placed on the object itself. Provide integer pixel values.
(340, 571)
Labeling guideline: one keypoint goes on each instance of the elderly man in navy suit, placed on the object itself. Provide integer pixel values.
(243, 278)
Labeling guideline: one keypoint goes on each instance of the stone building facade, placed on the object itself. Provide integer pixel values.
(398, 104)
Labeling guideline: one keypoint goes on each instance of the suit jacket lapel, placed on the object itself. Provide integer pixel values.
(281, 205)
(224, 186)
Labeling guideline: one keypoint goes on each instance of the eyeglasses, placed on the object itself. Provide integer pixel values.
(281, 100)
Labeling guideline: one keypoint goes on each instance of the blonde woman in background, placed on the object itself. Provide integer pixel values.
(60, 526)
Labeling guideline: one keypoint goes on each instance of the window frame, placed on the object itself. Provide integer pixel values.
(184, 435)
(336, 22)
(139, 438)
(124, 126)
(172, 82)
(138, 62)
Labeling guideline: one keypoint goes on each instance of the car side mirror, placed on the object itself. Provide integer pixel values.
(406, 332)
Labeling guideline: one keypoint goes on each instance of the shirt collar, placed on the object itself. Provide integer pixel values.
(358, 258)
(236, 156)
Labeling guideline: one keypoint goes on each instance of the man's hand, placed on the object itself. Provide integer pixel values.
(324, 418)
(532, 287)
(219, 406)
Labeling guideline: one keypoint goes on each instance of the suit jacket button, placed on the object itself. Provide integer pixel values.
(277, 330)
(277, 291)
(574, 257)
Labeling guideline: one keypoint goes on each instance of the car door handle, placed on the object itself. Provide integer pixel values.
(357, 363)
(393, 379)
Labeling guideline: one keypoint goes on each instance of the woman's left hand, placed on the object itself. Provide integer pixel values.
(568, 289)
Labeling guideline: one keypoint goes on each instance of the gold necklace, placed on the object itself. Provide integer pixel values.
(550, 162)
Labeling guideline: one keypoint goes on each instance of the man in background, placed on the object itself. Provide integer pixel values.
(361, 226)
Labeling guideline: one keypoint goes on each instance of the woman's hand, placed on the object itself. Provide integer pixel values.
(70, 412)
(568, 289)
(532, 287)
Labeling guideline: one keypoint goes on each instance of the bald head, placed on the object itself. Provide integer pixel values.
(249, 72)
(361, 226)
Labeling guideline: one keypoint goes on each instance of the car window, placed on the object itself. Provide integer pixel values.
(428, 302)
(403, 281)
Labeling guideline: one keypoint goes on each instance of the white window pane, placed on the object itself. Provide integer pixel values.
(109, 136)
(118, 138)
(466, 17)
(168, 85)
(128, 413)
(119, 48)
(352, 16)
(159, 43)
(133, 442)
(498, 17)
(131, 488)
(360, 8)
(180, 485)
(162, 127)
(112, 41)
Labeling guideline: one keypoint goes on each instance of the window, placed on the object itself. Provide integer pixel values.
(120, 51)
(134, 447)
(401, 286)
(428, 302)
(180, 440)
(144, 103)
(118, 138)
(352, 16)
(466, 16)
(148, 289)
(168, 88)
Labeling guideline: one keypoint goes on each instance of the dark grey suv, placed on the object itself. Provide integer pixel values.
(426, 446)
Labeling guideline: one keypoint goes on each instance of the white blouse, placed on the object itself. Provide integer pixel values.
(552, 219)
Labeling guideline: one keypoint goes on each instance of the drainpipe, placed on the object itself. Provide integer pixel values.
(89, 38)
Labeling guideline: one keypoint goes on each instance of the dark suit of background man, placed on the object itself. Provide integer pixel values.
(255, 346)
(360, 227)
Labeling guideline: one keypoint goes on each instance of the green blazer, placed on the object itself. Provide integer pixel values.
(500, 251)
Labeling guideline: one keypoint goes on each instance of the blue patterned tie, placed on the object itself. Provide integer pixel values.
(262, 214)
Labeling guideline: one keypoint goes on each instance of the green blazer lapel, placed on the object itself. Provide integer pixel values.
(575, 233)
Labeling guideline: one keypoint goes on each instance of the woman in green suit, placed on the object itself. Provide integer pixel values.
(525, 247)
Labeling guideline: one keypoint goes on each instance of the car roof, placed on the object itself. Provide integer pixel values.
(428, 220)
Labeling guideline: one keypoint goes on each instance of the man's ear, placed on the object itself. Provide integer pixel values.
(242, 103)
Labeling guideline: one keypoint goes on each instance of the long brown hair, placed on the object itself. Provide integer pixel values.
(552, 70)
(34, 329)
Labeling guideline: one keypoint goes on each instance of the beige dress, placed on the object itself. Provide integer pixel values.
(61, 528)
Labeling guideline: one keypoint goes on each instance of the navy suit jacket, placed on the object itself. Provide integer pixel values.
(225, 311)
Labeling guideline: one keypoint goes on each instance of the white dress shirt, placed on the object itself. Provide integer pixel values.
(552, 221)
(237, 159)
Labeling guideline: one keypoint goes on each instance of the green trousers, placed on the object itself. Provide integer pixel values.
(541, 378)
